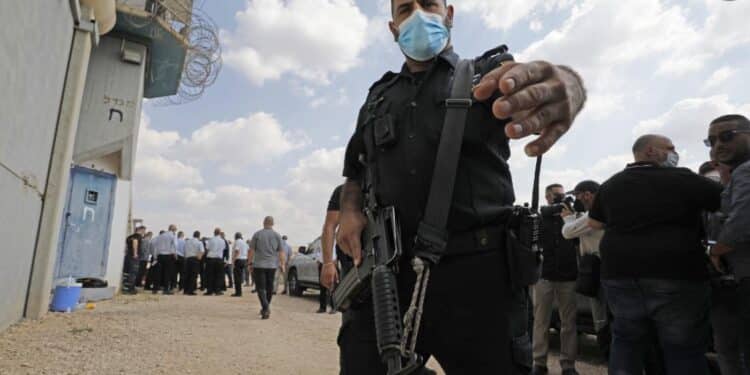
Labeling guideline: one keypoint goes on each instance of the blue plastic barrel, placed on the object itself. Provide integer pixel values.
(66, 298)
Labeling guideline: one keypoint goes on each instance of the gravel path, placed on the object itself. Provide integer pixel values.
(155, 334)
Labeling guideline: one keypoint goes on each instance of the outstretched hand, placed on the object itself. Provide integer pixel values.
(541, 98)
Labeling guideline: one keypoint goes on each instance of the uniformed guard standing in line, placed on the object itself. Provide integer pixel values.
(214, 264)
(165, 247)
(398, 130)
(194, 252)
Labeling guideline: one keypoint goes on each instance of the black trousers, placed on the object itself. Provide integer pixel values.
(189, 280)
(264, 285)
(179, 272)
(142, 268)
(203, 267)
(166, 271)
(129, 273)
(325, 296)
(152, 277)
(214, 275)
(239, 268)
(228, 274)
(465, 324)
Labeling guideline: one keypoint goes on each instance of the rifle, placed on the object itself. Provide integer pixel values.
(375, 279)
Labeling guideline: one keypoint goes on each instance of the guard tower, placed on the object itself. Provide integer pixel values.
(158, 49)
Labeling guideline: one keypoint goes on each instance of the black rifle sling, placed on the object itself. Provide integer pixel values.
(432, 234)
(535, 191)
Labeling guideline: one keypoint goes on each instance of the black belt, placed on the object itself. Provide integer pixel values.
(477, 241)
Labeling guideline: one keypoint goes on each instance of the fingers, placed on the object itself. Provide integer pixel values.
(546, 139)
(522, 75)
(490, 82)
(529, 98)
(512, 77)
(537, 120)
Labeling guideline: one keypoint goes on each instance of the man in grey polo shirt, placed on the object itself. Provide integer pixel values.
(267, 254)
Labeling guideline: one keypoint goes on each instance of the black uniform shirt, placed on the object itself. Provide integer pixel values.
(400, 126)
(334, 204)
(129, 244)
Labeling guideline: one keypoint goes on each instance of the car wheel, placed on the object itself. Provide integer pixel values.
(294, 288)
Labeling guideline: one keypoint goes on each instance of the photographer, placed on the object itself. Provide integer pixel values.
(577, 226)
(653, 266)
(558, 283)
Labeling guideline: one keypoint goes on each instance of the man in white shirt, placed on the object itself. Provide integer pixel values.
(165, 247)
(577, 226)
(239, 259)
(194, 250)
(215, 264)
(179, 275)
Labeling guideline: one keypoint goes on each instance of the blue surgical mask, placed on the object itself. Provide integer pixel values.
(423, 36)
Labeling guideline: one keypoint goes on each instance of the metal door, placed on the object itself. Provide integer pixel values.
(84, 238)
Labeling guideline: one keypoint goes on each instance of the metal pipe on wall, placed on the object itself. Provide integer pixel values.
(45, 254)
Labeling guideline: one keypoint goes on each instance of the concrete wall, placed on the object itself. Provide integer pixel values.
(34, 47)
(120, 213)
(111, 109)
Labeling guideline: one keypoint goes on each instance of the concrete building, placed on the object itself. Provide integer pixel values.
(75, 73)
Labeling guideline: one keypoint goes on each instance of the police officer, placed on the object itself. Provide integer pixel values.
(215, 264)
(463, 326)
(165, 247)
(194, 252)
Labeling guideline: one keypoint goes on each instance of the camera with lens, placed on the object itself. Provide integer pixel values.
(561, 202)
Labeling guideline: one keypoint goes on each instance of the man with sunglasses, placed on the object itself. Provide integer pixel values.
(729, 139)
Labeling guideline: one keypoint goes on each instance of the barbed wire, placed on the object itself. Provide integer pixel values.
(203, 56)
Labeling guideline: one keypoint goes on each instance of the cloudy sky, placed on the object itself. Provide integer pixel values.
(268, 138)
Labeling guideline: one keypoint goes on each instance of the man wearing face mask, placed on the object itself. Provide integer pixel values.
(653, 264)
(465, 328)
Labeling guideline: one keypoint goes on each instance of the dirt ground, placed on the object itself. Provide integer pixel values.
(156, 334)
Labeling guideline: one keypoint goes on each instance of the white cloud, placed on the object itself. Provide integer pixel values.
(641, 29)
(536, 25)
(504, 14)
(688, 119)
(719, 76)
(165, 172)
(257, 138)
(317, 102)
(320, 170)
(309, 39)
(153, 142)
(686, 123)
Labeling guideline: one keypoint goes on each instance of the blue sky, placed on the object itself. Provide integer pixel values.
(267, 138)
